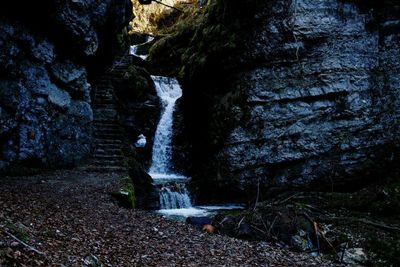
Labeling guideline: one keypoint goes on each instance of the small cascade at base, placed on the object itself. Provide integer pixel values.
(174, 196)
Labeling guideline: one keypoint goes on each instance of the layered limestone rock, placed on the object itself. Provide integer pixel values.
(46, 48)
(312, 100)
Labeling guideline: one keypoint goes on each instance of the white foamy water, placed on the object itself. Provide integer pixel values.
(184, 213)
(134, 48)
(175, 197)
(173, 192)
(169, 90)
(181, 214)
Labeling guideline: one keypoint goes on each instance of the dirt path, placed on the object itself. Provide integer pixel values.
(70, 217)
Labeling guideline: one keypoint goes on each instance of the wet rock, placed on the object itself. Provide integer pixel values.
(81, 110)
(146, 193)
(198, 222)
(301, 241)
(74, 78)
(59, 98)
(92, 261)
(354, 256)
(44, 51)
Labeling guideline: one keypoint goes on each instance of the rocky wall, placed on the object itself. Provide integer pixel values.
(47, 49)
(308, 96)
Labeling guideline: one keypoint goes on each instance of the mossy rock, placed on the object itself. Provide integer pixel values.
(126, 195)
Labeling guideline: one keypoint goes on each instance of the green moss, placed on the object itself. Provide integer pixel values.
(126, 194)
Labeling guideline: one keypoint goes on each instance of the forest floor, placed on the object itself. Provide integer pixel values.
(69, 218)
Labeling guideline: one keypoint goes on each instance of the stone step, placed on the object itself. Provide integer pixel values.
(105, 121)
(99, 101)
(108, 151)
(108, 147)
(108, 132)
(104, 98)
(103, 141)
(116, 169)
(107, 136)
(104, 93)
(105, 117)
(116, 163)
(113, 158)
(103, 101)
(104, 79)
(101, 106)
(103, 88)
(107, 124)
(110, 103)
(108, 127)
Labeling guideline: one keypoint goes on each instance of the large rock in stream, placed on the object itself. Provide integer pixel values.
(306, 93)
(47, 48)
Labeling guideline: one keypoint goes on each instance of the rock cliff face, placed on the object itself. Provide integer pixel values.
(47, 49)
(313, 98)
(148, 17)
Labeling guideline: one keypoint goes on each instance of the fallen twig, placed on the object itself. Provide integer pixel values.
(161, 3)
(365, 221)
(258, 194)
(316, 230)
(380, 225)
(344, 251)
(240, 222)
(272, 225)
(287, 199)
(327, 241)
(258, 229)
(23, 243)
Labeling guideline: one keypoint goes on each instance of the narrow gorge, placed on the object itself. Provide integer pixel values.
(199, 133)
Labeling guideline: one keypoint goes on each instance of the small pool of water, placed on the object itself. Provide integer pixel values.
(198, 211)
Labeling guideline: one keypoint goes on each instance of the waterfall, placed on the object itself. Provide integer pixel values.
(134, 48)
(169, 91)
(173, 192)
(174, 198)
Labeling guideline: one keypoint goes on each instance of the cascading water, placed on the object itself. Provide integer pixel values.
(169, 91)
(134, 48)
(174, 197)
(173, 193)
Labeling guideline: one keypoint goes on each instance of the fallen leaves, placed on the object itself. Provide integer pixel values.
(72, 219)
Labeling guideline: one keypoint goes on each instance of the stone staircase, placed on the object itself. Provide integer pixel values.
(107, 131)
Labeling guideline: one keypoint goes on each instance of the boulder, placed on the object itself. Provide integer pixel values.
(199, 222)
(146, 193)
